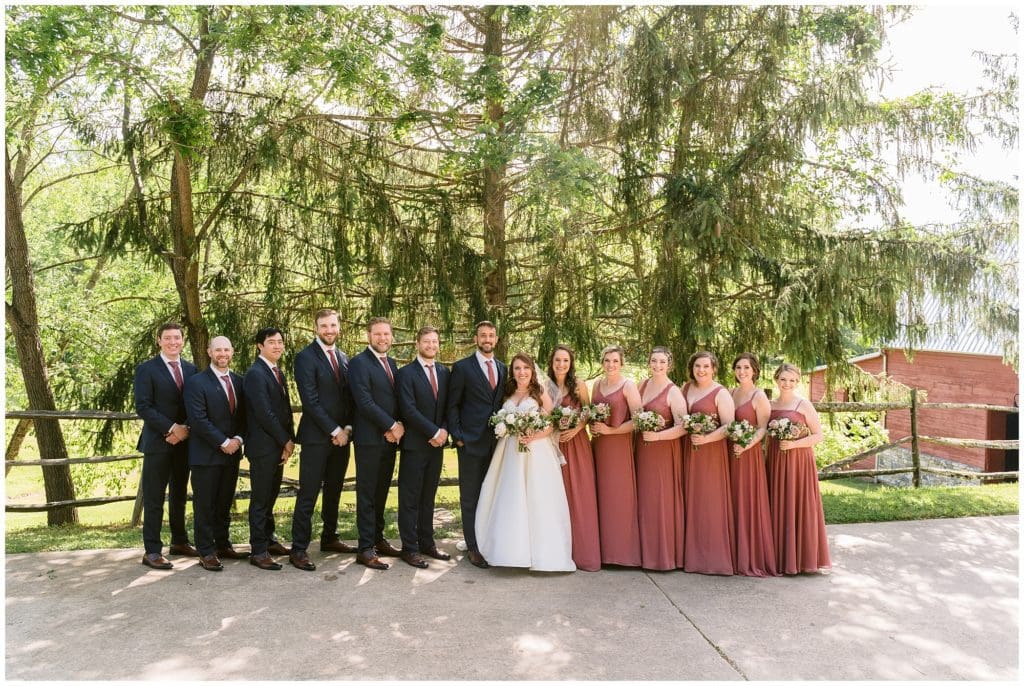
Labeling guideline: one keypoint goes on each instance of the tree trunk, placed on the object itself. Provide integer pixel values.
(17, 438)
(23, 319)
(184, 261)
(494, 189)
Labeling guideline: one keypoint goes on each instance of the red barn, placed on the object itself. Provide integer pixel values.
(961, 367)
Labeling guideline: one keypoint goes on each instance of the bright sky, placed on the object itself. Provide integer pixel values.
(934, 48)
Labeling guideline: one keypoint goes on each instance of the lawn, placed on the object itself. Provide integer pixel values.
(107, 526)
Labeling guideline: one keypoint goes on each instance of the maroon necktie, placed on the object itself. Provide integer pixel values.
(277, 374)
(387, 368)
(177, 374)
(433, 379)
(334, 365)
(490, 374)
(231, 393)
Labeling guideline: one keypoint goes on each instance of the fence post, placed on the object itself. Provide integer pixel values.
(137, 510)
(915, 446)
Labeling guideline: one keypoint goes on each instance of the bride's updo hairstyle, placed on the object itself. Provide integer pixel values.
(510, 382)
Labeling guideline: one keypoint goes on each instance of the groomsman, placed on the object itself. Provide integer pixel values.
(422, 398)
(321, 375)
(157, 389)
(473, 396)
(215, 403)
(377, 434)
(268, 445)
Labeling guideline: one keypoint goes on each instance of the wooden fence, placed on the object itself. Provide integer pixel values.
(832, 471)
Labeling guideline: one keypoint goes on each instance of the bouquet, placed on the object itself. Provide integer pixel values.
(699, 424)
(648, 420)
(784, 429)
(598, 412)
(515, 424)
(741, 432)
(565, 418)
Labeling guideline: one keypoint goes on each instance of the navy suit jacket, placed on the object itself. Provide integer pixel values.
(210, 420)
(326, 403)
(376, 400)
(422, 413)
(268, 412)
(471, 402)
(159, 402)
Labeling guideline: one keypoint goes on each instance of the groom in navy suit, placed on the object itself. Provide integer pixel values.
(159, 401)
(422, 400)
(378, 430)
(473, 396)
(215, 403)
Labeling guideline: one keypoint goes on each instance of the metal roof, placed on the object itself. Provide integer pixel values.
(946, 333)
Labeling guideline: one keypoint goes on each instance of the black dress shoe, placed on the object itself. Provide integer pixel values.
(385, 549)
(276, 548)
(182, 549)
(338, 547)
(414, 559)
(300, 560)
(156, 561)
(211, 563)
(436, 554)
(230, 553)
(264, 561)
(477, 559)
(370, 559)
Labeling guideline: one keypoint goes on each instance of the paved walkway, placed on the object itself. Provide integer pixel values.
(906, 600)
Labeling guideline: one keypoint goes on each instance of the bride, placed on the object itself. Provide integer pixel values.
(522, 519)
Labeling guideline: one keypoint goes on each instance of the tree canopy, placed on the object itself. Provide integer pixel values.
(720, 177)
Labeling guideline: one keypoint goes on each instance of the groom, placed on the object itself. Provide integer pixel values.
(474, 394)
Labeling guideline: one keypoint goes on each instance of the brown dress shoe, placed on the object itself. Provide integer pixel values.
(264, 561)
(156, 561)
(337, 547)
(414, 559)
(436, 554)
(300, 560)
(370, 559)
(182, 549)
(211, 563)
(385, 549)
(477, 559)
(276, 548)
(230, 553)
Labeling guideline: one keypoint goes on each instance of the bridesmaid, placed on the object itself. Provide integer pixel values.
(614, 463)
(578, 470)
(755, 548)
(659, 469)
(710, 533)
(798, 520)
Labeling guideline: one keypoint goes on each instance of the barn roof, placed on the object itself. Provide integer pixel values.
(951, 335)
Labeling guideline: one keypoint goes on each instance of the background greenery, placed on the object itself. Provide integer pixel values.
(717, 177)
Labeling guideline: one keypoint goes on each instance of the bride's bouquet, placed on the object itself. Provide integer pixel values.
(515, 424)
(648, 420)
(785, 429)
(566, 418)
(699, 423)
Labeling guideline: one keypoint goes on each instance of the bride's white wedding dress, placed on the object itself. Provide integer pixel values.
(522, 519)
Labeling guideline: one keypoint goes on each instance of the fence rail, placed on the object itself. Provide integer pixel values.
(829, 472)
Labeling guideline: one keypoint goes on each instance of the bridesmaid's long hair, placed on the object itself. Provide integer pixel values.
(510, 381)
(570, 376)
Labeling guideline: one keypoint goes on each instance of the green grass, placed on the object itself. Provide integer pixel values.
(845, 501)
(107, 526)
(851, 500)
